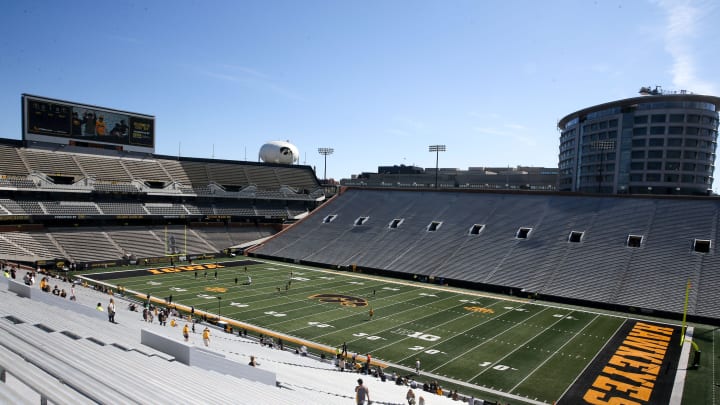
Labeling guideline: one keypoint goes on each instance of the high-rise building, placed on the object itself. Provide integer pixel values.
(658, 143)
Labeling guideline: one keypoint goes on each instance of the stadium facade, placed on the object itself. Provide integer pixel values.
(475, 178)
(658, 143)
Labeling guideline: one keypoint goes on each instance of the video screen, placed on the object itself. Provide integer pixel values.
(55, 118)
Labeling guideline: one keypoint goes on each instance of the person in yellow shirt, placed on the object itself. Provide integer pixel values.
(100, 126)
(206, 336)
(186, 332)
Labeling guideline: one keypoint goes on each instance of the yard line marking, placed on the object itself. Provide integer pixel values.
(519, 346)
(553, 355)
(607, 342)
(488, 339)
(455, 333)
(415, 308)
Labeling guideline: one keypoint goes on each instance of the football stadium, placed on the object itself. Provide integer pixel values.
(135, 277)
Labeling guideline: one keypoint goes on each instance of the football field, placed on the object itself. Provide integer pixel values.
(530, 351)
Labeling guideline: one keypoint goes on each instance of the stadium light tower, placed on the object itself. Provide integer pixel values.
(437, 149)
(325, 152)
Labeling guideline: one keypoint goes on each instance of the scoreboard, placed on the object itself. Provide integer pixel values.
(64, 122)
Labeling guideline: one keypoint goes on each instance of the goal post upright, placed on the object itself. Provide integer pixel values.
(685, 309)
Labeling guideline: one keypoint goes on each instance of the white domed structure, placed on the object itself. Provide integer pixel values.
(279, 152)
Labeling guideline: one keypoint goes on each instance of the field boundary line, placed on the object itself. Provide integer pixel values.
(679, 384)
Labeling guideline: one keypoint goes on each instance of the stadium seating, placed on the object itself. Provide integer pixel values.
(599, 266)
(11, 163)
(71, 354)
(86, 246)
(105, 167)
(51, 163)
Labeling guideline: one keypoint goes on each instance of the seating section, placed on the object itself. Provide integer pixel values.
(120, 169)
(70, 207)
(145, 170)
(165, 209)
(227, 174)
(33, 245)
(58, 348)
(89, 244)
(598, 266)
(17, 183)
(104, 168)
(224, 236)
(196, 173)
(52, 163)
(11, 164)
(81, 246)
(137, 241)
(122, 208)
(115, 188)
(176, 171)
(239, 207)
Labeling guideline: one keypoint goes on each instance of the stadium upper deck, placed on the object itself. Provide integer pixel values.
(72, 168)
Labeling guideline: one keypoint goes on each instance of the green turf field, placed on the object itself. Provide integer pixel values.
(516, 347)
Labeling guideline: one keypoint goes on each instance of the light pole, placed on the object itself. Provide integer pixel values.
(437, 149)
(325, 152)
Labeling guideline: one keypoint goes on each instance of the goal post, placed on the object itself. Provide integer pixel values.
(172, 247)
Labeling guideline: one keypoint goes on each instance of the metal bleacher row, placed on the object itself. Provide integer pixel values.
(283, 209)
(88, 244)
(120, 172)
(599, 266)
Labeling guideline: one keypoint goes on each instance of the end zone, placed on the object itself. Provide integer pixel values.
(637, 366)
(167, 269)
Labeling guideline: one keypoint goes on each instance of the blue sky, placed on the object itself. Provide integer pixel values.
(378, 81)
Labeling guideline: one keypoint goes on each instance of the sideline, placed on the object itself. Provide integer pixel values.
(683, 363)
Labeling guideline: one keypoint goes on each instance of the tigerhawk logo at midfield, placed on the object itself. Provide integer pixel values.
(344, 300)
